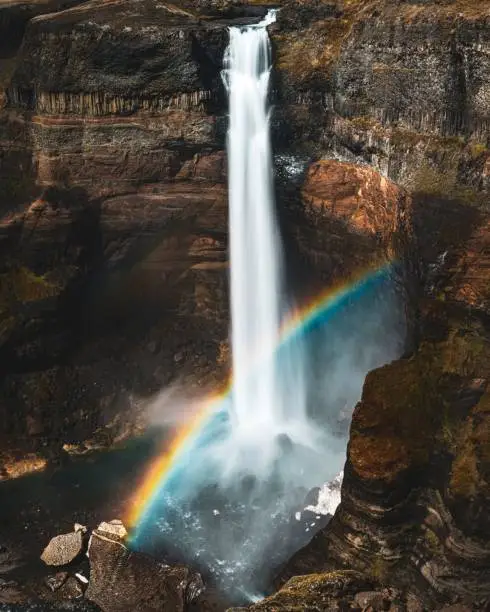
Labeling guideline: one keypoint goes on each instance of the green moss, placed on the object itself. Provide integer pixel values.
(20, 285)
(443, 182)
(466, 351)
(470, 473)
(380, 570)
(464, 474)
(477, 149)
(432, 541)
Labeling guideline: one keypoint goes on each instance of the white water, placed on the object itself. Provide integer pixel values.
(255, 249)
(268, 390)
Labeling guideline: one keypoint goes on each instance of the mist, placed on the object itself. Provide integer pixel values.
(225, 510)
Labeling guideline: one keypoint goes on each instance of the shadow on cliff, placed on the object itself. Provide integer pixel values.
(418, 414)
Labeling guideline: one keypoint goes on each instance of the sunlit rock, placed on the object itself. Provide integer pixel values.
(114, 527)
(63, 549)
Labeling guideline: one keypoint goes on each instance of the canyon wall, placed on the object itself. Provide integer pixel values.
(113, 239)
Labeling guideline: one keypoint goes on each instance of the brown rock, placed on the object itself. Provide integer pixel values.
(63, 549)
(352, 217)
(371, 599)
(123, 581)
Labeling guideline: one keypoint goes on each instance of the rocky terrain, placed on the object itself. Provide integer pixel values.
(113, 242)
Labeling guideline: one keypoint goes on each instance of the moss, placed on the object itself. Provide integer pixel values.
(470, 474)
(464, 474)
(23, 285)
(477, 149)
(466, 351)
(443, 182)
(20, 285)
(320, 591)
(312, 49)
(432, 541)
(408, 412)
(380, 570)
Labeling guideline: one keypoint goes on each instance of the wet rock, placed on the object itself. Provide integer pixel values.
(55, 582)
(63, 549)
(122, 580)
(7, 584)
(10, 592)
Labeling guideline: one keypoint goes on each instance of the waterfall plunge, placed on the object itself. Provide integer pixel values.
(255, 249)
(230, 502)
(269, 397)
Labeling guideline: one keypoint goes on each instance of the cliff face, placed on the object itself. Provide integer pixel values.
(113, 228)
(416, 489)
(400, 85)
(113, 240)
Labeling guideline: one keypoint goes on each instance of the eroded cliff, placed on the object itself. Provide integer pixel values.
(113, 242)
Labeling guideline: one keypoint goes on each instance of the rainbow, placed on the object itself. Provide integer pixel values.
(172, 460)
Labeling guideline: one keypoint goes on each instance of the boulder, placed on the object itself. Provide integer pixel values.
(122, 580)
(71, 589)
(63, 549)
(371, 599)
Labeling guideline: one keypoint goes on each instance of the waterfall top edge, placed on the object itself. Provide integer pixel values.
(268, 20)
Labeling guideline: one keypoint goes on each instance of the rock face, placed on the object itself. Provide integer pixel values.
(400, 85)
(113, 216)
(350, 219)
(121, 580)
(415, 491)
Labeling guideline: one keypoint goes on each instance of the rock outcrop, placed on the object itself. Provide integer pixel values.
(64, 548)
(113, 216)
(121, 580)
(400, 85)
(350, 218)
(415, 491)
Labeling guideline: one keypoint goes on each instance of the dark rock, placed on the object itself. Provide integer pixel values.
(7, 584)
(372, 599)
(56, 581)
(71, 589)
(122, 580)
(311, 498)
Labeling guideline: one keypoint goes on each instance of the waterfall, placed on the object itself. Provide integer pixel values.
(233, 483)
(255, 249)
(268, 407)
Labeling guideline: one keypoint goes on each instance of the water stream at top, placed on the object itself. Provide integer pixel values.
(255, 249)
(266, 399)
